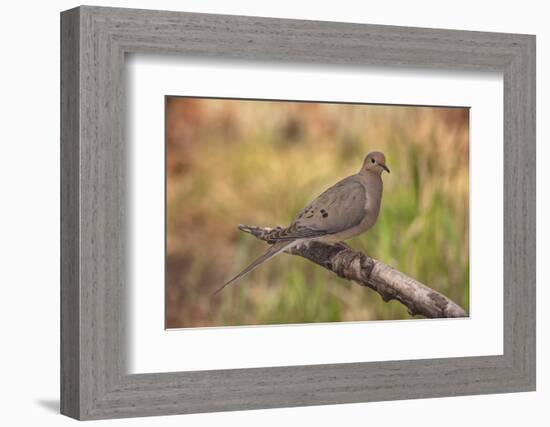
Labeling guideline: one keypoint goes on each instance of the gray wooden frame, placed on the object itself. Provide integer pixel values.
(94, 41)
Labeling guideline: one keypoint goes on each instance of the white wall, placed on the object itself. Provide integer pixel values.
(29, 230)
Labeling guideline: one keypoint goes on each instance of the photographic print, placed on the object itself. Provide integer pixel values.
(260, 194)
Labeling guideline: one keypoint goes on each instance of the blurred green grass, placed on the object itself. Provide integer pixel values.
(258, 162)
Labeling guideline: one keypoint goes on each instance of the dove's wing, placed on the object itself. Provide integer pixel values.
(339, 208)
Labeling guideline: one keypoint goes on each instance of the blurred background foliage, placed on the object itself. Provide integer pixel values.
(259, 162)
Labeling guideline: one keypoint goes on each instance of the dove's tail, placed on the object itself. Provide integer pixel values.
(274, 250)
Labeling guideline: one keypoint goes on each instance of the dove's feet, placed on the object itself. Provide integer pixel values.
(303, 245)
(343, 245)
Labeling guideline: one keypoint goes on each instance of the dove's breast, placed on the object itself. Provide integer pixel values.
(371, 209)
(372, 204)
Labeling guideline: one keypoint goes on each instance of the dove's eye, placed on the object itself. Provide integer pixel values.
(372, 161)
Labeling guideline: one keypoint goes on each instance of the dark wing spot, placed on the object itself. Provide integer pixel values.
(325, 215)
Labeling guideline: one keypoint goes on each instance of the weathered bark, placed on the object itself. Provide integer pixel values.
(366, 271)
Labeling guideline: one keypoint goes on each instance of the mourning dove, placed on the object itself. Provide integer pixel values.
(345, 210)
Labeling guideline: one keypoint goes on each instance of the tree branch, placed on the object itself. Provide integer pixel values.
(366, 271)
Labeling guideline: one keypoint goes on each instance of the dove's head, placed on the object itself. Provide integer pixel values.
(375, 162)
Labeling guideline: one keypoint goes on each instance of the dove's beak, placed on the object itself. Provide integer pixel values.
(383, 166)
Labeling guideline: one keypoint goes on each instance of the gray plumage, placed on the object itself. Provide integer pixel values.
(345, 210)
